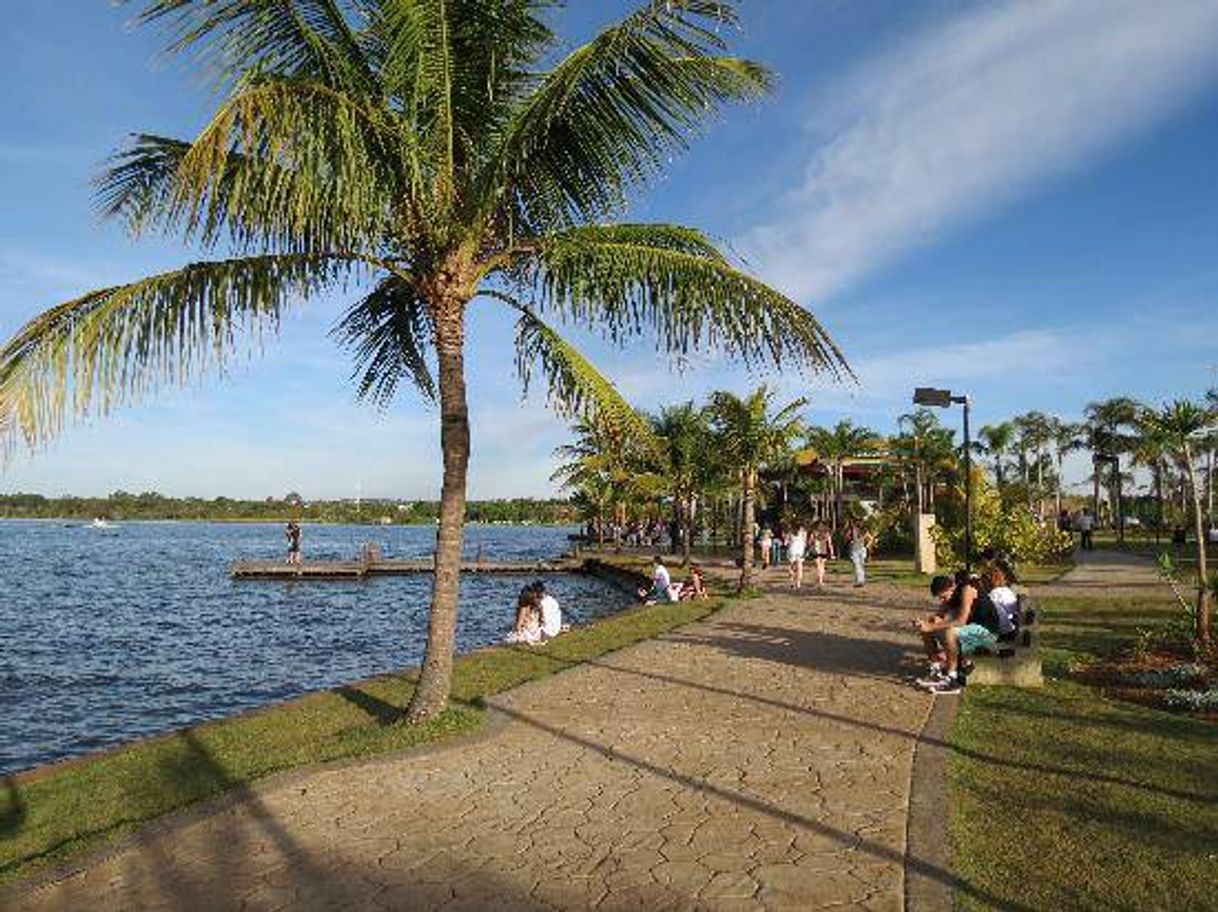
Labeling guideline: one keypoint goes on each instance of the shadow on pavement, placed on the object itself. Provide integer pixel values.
(846, 838)
(826, 652)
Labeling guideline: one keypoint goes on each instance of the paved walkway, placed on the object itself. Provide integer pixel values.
(758, 760)
(1108, 572)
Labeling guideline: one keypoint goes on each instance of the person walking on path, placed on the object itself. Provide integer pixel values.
(797, 548)
(292, 534)
(822, 550)
(764, 543)
(1086, 523)
(858, 541)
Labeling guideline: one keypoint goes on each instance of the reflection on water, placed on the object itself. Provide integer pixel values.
(110, 634)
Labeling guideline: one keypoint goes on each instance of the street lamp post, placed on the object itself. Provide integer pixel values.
(940, 398)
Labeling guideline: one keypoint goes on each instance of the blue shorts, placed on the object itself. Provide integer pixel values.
(972, 637)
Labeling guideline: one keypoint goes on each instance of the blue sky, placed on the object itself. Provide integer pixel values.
(1016, 200)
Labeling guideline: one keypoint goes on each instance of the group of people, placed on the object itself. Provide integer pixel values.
(538, 616)
(973, 612)
(663, 589)
(819, 546)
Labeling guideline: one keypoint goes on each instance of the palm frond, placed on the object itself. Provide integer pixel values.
(311, 38)
(287, 164)
(114, 345)
(389, 333)
(574, 386)
(608, 118)
(671, 281)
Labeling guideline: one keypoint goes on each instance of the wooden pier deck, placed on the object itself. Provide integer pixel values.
(355, 569)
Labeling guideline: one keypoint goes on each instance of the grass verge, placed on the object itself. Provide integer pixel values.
(61, 810)
(1063, 799)
(900, 572)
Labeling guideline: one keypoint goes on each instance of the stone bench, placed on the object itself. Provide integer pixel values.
(1015, 663)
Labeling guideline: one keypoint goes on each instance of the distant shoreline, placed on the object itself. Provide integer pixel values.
(274, 521)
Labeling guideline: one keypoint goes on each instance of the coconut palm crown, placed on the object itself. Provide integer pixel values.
(749, 434)
(418, 154)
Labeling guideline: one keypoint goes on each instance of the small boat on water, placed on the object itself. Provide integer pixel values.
(101, 523)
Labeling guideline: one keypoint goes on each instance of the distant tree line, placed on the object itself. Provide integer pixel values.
(122, 505)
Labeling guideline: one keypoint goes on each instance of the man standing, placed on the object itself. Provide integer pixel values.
(292, 534)
(1086, 522)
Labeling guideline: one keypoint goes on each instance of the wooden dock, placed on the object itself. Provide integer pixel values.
(355, 569)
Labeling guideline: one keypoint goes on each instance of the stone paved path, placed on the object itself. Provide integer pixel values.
(1108, 573)
(758, 760)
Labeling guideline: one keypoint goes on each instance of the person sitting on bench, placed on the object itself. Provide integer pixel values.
(969, 624)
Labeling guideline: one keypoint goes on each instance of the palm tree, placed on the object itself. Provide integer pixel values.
(1180, 423)
(1035, 431)
(606, 467)
(748, 436)
(682, 454)
(438, 151)
(1106, 431)
(916, 426)
(1151, 450)
(995, 441)
(833, 446)
(1065, 437)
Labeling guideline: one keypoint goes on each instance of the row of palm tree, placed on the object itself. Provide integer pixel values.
(1027, 453)
(750, 450)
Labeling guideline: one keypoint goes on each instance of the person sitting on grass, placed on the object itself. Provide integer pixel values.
(661, 584)
(527, 629)
(968, 625)
(694, 587)
(551, 614)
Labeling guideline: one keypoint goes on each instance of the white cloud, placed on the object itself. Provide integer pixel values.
(972, 114)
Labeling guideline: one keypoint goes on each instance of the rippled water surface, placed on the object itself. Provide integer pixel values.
(107, 635)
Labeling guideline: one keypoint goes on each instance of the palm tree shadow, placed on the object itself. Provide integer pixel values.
(384, 714)
(12, 817)
(827, 652)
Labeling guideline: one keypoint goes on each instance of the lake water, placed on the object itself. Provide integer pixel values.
(111, 634)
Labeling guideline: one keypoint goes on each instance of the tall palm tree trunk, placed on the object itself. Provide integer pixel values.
(431, 694)
(746, 531)
(1057, 501)
(686, 520)
(1203, 592)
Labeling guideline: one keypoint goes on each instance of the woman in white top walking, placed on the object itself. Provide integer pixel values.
(797, 547)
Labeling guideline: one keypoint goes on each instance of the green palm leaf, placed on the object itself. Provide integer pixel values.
(313, 38)
(671, 282)
(609, 117)
(113, 345)
(574, 385)
(390, 334)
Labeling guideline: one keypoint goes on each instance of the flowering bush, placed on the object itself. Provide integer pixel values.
(1010, 529)
(1172, 676)
(1193, 700)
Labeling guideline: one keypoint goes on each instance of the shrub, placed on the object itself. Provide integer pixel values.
(1193, 700)
(1011, 529)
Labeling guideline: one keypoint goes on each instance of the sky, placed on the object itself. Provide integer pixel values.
(1013, 200)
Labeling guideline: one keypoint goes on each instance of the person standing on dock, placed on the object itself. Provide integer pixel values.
(292, 534)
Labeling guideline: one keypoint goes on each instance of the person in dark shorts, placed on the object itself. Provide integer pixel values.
(292, 534)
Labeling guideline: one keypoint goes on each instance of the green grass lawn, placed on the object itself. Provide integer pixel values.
(1063, 799)
(900, 572)
(46, 817)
